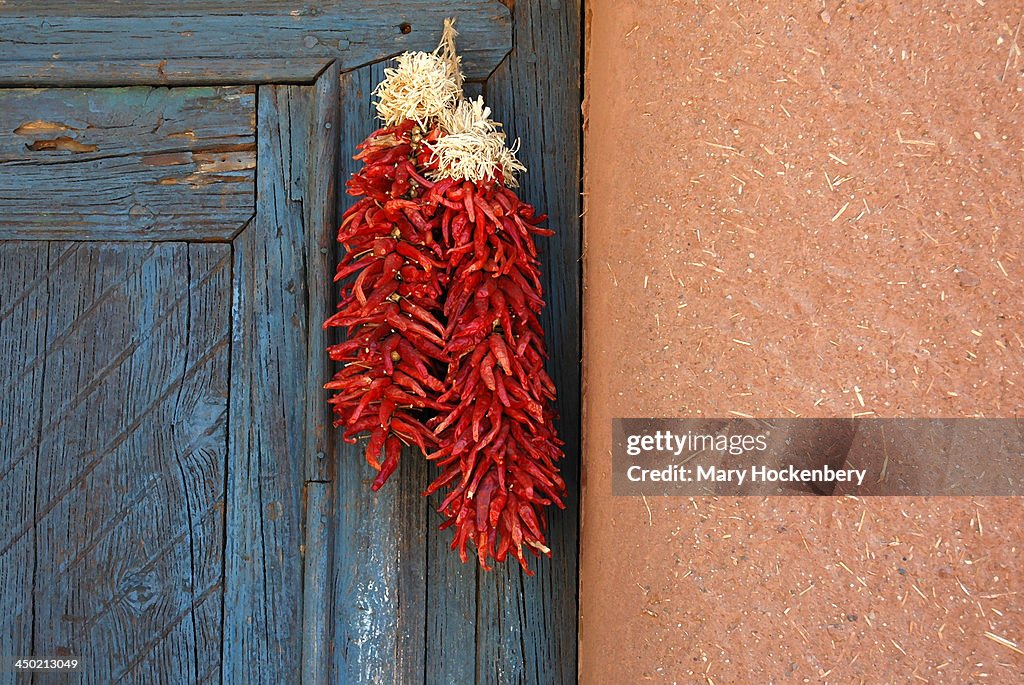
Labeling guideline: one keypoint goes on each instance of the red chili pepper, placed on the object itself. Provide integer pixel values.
(497, 443)
(391, 364)
(440, 299)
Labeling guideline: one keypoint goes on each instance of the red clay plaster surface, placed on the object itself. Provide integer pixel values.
(802, 210)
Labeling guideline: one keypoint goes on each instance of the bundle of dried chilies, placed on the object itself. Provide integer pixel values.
(445, 350)
(390, 361)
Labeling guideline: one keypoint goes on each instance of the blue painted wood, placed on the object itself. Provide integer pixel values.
(388, 602)
(123, 465)
(24, 294)
(369, 529)
(278, 544)
(316, 599)
(157, 71)
(135, 163)
(145, 42)
(317, 181)
(530, 624)
(268, 434)
(415, 616)
(450, 594)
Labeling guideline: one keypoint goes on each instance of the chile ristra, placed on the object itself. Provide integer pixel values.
(441, 301)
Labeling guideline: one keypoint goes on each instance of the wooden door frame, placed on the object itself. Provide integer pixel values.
(306, 80)
(201, 42)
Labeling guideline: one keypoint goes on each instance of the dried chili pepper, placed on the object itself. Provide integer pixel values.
(497, 445)
(445, 349)
(390, 361)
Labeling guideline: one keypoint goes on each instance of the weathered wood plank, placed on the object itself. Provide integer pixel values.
(450, 597)
(124, 121)
(320, 216)
(274, 428)
(316, 580)
(162, 72)
(414, 520)
(367, 529)
(126, 163)
(317, 182)
(419, 618)
(24, 296)
(365, 576)
(529, 625)
(99, 37)
(128, 461)
(379, 572)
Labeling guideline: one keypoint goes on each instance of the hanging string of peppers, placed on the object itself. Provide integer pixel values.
(440, 301)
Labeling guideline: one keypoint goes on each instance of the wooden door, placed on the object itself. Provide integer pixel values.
(177, 508)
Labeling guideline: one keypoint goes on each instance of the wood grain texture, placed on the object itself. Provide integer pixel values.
(396, 605)
(277, 362)
(386, 630)
(371, 575)
(126, 163)
(379, 574)
(423, 610)
(318, 179)
(163, 72)
(316, 580)
(531, 623)
(24, 293)
(450, 595)
(319, 216)
(115, 40)
(127, 463)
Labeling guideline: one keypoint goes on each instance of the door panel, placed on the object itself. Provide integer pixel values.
(157, 498)
(117, 540)
(127, 163)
